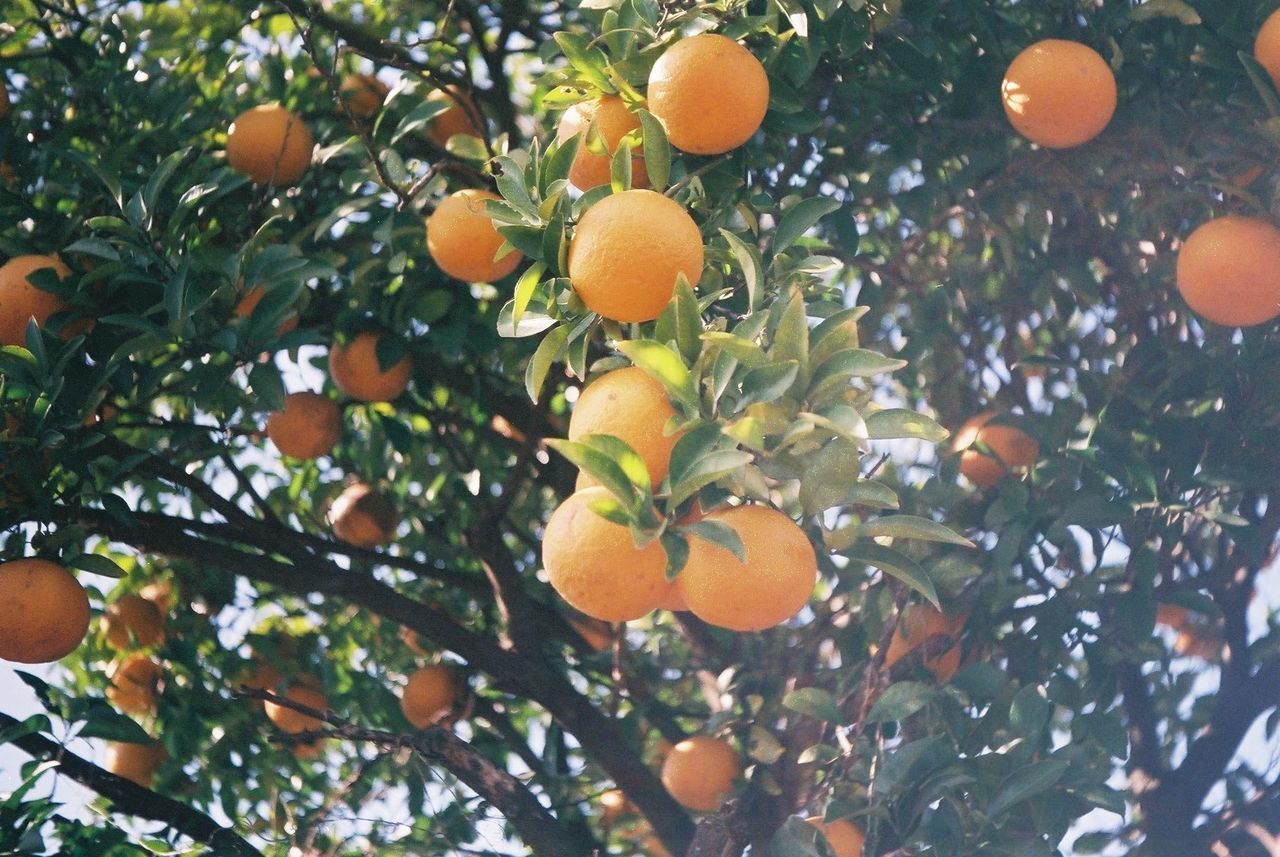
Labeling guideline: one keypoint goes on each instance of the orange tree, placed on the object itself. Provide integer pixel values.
(794, 242)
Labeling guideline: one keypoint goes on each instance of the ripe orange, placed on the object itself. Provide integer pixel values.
(632, 406)
(919, 624)
(700, 772)
(355, 370)
(455, 119)
(135, 762)
(1014, 448)
(361, 517)
(627, 251)
(412, 641)
(159, 594)
(462, 240)
(20, 301)
(1059, 93)
(769, 588)
(133, 685)
(595, 565)
(363, 94)
(44, 611)
(599, 635)
(672, 600)
(428, 695)
(1172, 616)
(303, 690)
(307, 752)
(709, 92)
(249, 303)
(611, 121)
(308, 427)
(133, 621)
(260, 676)
(270, 145)
(1266, 47)
(844, 837)
(1199, 640)
(613, 806)
(1229, 271)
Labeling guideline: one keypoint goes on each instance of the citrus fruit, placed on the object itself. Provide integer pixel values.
(304, 691)
(412, 641)
(1059, 93)
(599, 635)
(1014, 449)
(132, 620)
(462, 240)
(133, 685)
(606, 120)
(458, 118)
(699, 772)
(1199, 641)
(919, 624)
(595, 565)
(309, 425)
(428, 695)
(270, 145)
(769, 588)
(844, 837)
(20, 301)
(1266, 46)
(1172, 616)
(356, 372)
(160, 594)
(363, 94)
(44, 611)
(362, 517)
(135, 762)
(307, 752)
(627, 251)
(631, 405)
(1229, 271)
(709, 92)
(672, 600)
(253, 297)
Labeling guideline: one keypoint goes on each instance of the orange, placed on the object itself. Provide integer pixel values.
(133, 685)
(462, 240)
(304, 691)
(1059, 93)
(595, 565)
(363, 94)
(613, 805)
(919, 624)
(428, 695)
(1229, 271)
(632, 406)
(20, 301)
(135, 762)
(459, 118)
(769, 588)
(362, 517)
(699, 772)
(1014, 450)
(44, 611)
(844, 837)
(608, 119)
(1266, 47)
(159, 594)
(1172, 616)
(308, 427)
(250, 302)
(355, 370)
(672, 600)
(627, 251)
(270, 145)
(411, 640)
(307, 752)
(709, 92)
(133, 621)
(599, 635)
(260, 676)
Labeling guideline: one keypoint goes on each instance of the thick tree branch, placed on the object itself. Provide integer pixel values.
(131, 799)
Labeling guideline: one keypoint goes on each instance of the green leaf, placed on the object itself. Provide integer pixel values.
(657, 151)
(749, 261)
(743, 350)
(691, 447)
(799, 219)
(769, 382)
(896, 564)
(855, 363)
(549, 351)
(620, 168)
(710, 468)
(677, 549)
(796, 16)
(525, 287)
(628, 459)
(1261, 81)
(688, 320)
(901, 700)
(816, 703)
(589, 61)
(99, 564)
(1029, 713)
(894, 423)
(601, 467)
(795, 838)
(1179, 10)
(1026, 781)
(103, 721)
(911, 527)
(32, 725)
(666, 366)
(828, 476)
(719, 534)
